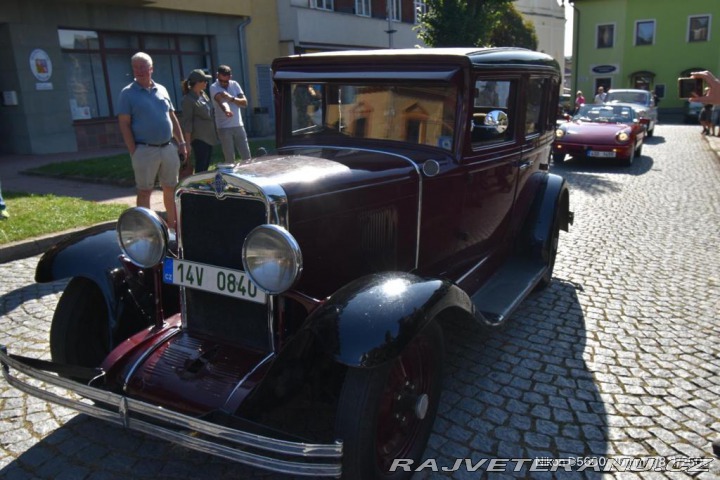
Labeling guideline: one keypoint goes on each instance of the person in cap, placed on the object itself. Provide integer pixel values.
(229, 97)
(148, 125)
(197, 121)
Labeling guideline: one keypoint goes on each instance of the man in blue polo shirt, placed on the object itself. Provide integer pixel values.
(148, 124)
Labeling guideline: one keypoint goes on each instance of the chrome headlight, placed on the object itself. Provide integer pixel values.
(143, 236)
(559, 133)
(622, 137)
(272, 258)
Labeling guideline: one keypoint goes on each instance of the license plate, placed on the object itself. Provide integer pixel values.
(224, 281)
(593, 153)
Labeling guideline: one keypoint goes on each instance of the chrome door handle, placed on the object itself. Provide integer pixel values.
(526, 165)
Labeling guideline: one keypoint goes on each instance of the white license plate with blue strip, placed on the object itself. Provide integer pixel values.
(209, 278)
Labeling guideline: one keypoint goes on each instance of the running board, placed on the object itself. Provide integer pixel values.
(509, 286)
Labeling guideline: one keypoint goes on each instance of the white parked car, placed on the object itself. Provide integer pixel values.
(646, 110)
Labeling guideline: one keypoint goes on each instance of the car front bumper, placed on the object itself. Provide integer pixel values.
(290, 457)
(581, 150)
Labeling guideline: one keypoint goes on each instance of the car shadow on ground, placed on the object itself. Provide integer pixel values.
(654, 140)
(591, 175)
(521, 392)
(86, 447)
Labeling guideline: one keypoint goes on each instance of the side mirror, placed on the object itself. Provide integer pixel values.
(497, 120)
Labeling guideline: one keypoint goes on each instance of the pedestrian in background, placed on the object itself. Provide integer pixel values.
(198, 124)
(579, 101)
(4, 215)
(229, 97)
(601, 95)
(148, 124)
(715, 119)
(706, 119)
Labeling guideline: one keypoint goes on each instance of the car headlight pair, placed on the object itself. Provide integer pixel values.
(270, 254)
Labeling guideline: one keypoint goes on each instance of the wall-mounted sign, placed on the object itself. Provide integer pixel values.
(604, 68)
(41, 65)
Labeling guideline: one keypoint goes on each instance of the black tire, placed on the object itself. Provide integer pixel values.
(80, 334)
(558, 157)
(374, 401)
(550, 253)
(638, 150)
(650, 133)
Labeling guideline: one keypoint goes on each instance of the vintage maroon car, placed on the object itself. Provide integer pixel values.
(605, 131)
(294, 324)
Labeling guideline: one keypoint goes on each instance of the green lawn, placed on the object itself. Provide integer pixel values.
(117, 169)
(36, 215)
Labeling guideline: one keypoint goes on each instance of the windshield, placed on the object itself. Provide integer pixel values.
(628, 97)
(417, 114)
(605, 114)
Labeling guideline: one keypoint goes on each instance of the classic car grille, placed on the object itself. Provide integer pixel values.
(213, 232)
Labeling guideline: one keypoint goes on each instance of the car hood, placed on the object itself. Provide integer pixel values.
(325, 194)
(320, 171)
(579, 131)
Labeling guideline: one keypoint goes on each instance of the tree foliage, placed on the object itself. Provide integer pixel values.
(512, 30)
(478, 23)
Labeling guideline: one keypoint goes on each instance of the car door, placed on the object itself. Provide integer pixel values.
(485, 182)
(537, 137)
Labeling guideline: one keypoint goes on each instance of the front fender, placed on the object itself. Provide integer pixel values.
(370, 320)
(93, 253)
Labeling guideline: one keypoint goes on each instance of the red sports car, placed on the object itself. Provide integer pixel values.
(610, 131)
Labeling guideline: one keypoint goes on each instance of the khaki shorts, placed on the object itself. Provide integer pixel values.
(150, 162)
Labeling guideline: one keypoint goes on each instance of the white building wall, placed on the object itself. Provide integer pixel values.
(549, 20)
(312, 28)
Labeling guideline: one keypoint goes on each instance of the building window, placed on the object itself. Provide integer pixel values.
(421, 9)
(97, 66)
(644, 32)
(393, 10)
(605, 36)
(699, 28)
(322, 4)
(362, 8)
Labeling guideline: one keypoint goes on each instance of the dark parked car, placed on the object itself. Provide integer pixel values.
(606, 131)
(294, 324)
(643, 102)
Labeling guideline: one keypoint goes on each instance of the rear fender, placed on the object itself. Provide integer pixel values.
(552, 199)
(370, 320)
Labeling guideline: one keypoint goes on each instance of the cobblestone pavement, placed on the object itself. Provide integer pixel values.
(618, 357)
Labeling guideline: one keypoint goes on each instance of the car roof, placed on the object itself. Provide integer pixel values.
(628, 90)
(482, 57)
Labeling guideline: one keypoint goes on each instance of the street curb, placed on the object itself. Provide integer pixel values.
(35, 246)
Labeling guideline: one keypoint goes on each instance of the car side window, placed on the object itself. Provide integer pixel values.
(492, 118)
(533, 106)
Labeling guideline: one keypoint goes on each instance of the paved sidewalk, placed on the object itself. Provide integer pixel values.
(12, 178)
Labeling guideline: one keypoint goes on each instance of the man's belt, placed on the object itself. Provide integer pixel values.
(154, 144)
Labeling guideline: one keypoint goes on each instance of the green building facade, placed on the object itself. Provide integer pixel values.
(644, 44)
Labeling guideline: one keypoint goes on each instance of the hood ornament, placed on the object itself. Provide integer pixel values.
(219, 184)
